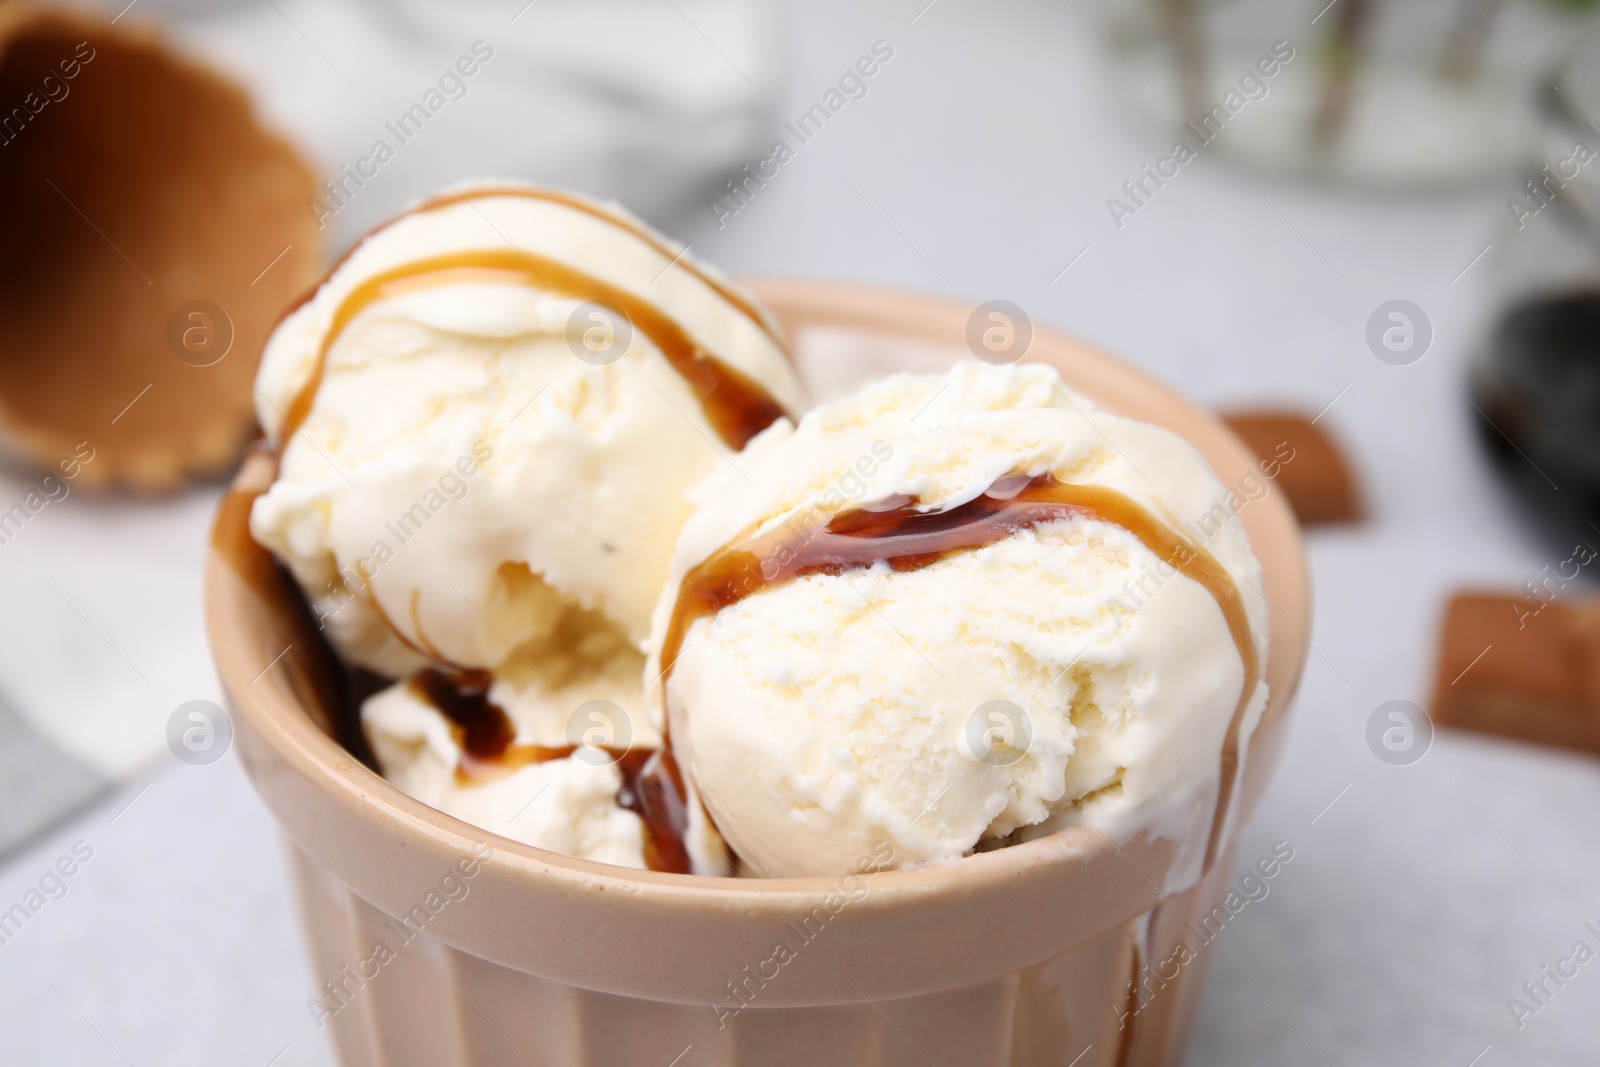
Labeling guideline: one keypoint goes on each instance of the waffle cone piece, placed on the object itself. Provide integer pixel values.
(153, 234)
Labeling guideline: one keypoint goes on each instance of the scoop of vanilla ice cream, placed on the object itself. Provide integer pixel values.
(464, 487)
(565, 805)
(476, 484)
(1062, 671)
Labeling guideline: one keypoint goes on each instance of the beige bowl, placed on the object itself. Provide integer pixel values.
(428, 953)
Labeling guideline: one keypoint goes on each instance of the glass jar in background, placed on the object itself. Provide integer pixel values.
(1389, 93)
(1535, 378)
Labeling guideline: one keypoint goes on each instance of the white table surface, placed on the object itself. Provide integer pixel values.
(977, 166)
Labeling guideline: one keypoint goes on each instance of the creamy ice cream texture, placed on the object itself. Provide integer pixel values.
(487, 419)
(943, 614)
(953, 611)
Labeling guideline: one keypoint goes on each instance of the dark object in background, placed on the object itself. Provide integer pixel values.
(1520, 667)
(1537, 391)
(1310, 469)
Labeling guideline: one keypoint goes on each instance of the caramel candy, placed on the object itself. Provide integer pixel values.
(1520, 667)
(1311, 471)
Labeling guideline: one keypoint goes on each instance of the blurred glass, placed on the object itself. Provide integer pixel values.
(1549, 235)
(1407, 93)
(1536, 376)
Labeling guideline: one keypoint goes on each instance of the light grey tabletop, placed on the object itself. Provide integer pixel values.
(1420, 898)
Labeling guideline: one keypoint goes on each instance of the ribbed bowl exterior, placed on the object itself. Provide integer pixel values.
(1126, 998)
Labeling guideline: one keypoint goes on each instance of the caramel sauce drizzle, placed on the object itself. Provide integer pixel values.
(745, 306)
(330, 690)
(652, 786)
(735, 405)
(899, 533)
